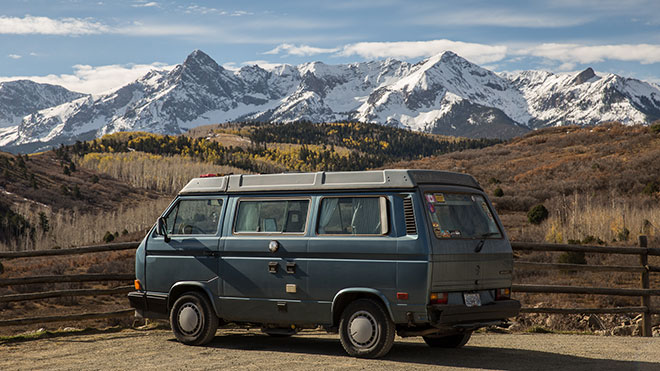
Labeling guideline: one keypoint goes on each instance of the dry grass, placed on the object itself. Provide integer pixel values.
(71, 228)
(607, 167)
(159, 173)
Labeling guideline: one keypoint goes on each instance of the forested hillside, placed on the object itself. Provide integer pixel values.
(299, 146)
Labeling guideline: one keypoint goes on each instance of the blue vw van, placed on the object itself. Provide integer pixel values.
(367, 254)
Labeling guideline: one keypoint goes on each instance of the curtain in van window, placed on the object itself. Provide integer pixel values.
(366, 215)
(248, 217)
(327, 211)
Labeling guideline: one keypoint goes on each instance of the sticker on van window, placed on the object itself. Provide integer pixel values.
(445, 234)
(435, 225)
(431, 208)
(430, 198)
(439, 197)
(455, 233)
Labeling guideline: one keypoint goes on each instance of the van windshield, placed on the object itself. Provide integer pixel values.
(460, 215)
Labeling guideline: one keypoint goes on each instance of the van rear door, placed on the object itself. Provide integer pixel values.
(470, 251)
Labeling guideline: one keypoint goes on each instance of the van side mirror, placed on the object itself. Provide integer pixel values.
(162, 229)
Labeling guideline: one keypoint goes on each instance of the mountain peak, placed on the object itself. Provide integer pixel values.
(198, 57)
(584, 76)
(448, 55)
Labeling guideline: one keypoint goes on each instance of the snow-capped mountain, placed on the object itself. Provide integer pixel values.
(22, 97)
(444, 94)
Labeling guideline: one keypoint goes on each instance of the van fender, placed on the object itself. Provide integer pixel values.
(337, 300)
(183, 286)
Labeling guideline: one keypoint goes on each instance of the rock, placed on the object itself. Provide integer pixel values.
(656, 331)
(594, 323)
(623, 330)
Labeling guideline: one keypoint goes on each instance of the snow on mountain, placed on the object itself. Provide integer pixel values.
(586, 99)
(22, 97)
(443, 94)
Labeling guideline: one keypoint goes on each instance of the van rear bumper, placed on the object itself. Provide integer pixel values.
(148, 306)
(450, 315)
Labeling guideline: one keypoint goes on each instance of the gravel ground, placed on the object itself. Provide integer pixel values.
(243, 349)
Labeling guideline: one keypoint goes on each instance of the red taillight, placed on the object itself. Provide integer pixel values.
(208, 175)
(439, 297)
(503, 294)
(402, 295)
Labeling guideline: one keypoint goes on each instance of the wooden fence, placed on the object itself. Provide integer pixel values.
(644, 292)
(127, 277)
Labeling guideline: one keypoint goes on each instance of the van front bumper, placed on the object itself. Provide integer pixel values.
(452, 315)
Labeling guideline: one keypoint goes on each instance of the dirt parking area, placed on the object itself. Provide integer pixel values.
(244, 349)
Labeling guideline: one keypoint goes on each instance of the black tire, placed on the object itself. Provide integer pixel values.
(193, 319)
(451, 341)
(373, 330)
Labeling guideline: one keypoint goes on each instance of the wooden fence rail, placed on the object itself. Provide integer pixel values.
(93, 277)
(644, 292)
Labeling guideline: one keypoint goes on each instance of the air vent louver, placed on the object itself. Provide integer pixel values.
(411, 227)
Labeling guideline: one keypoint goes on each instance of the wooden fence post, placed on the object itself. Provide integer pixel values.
(646, 299)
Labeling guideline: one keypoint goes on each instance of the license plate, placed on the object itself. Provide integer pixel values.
(472, 300)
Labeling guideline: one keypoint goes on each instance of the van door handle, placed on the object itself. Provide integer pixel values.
(272, 267)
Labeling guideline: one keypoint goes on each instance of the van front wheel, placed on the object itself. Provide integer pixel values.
(365, 329)
(193, 319)
(451, 341)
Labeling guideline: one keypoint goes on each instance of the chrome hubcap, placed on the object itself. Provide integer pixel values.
(362, 329)
(189, 318)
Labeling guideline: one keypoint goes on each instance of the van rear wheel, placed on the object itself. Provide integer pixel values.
(451, 341)
(193, 319)
(366, 330)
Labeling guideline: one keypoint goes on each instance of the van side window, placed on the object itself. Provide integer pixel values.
(194, 217)
(353, 215)
(271, 216)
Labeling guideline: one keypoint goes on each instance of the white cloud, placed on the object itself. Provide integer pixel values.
(15, 56)
(503, 18)
(576, 53)
(240, 13)
(145, 5)
(478, 53)
(197, 9)
(79, 26)
(48, 26)
(300, 50)
(94, 80)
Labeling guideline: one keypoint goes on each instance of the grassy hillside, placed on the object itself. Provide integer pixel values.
(602, 181)
(47, 200)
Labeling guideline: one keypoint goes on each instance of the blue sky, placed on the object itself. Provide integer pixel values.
(92, 46)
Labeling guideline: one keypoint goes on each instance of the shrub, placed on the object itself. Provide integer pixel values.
(572, 257)
(651, 188)
(109, 237)
(95, 178)
(498, 192)
(537, 214)
(655, 127)
(623, 235)
(494, 180)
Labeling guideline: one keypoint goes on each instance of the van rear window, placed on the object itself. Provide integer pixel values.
(460, 215)
(362, 215)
